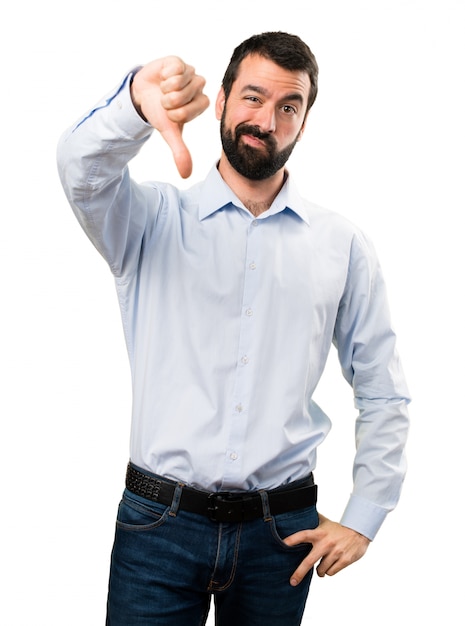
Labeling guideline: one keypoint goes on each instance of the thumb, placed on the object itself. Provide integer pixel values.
(181, 154)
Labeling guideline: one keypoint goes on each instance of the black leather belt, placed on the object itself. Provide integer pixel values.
(223, 506)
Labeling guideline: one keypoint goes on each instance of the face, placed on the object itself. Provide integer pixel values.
(263, 118)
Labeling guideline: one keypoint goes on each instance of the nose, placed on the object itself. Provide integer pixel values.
(265, 118)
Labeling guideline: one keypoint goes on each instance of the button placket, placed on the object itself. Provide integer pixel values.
(243, 379)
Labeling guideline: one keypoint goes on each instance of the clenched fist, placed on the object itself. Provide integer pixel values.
(168, 93)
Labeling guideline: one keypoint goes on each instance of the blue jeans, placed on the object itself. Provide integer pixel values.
(167, 564)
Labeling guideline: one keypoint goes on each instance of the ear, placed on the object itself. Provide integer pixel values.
(220, 102)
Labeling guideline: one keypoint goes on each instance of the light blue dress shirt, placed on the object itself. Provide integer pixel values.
(229, 319)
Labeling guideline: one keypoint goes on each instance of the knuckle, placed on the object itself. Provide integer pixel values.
(170, 100)
(178, 115)
(174, 65)
(201, 82)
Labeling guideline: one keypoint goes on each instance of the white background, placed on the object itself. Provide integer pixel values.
(384, 146)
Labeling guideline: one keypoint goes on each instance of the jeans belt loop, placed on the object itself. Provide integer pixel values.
(176, 499)
(265, 505)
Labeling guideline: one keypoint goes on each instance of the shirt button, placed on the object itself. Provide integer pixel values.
(255, 223)
(233, 456)
(252, 266)
(249, 312)
(239, 408)
(245, 359)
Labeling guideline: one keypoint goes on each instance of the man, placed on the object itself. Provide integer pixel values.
(231, 294)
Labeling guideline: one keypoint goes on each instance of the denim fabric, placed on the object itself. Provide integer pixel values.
(167, 564)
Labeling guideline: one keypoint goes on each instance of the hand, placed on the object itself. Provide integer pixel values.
(168, 93)
(334, 545)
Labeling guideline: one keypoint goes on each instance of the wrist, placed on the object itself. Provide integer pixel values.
(134, 98)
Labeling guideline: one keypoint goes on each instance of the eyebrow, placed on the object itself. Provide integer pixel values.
(293, 96)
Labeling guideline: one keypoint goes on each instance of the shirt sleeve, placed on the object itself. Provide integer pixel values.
(93, 158)
(366, 345)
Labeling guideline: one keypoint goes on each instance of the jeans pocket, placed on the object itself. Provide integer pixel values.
(138, 514)
(292, 522)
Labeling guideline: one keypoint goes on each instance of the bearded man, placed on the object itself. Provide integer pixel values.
(232, 293)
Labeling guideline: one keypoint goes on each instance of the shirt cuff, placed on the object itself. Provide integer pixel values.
(124, 112)
(363, 516)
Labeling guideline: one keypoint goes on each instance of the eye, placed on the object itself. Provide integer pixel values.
(288, 109)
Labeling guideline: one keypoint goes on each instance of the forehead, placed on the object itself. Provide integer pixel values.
(262, 72)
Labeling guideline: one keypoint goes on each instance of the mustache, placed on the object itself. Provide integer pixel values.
(255, 131)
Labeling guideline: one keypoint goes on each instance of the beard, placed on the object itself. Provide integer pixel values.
(253, 163)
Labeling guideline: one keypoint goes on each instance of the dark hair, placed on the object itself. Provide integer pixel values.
(287, 51)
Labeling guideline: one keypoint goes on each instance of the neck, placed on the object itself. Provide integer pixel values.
(256, 208)
(256, 195)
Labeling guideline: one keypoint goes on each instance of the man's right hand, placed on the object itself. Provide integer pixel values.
(168, 93)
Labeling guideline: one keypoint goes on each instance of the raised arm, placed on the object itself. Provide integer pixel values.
(93, 155)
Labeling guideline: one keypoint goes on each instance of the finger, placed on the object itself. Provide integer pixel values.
(172, 66)
(303, 569)
(186, 113)
(172, 133)
(302, 536)
(188, 101)
(181, 154)
(177, 81)
(326, 568)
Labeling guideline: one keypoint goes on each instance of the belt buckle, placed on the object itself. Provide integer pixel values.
(221, 501)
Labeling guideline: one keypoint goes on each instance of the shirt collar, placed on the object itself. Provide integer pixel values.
(216, 194)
